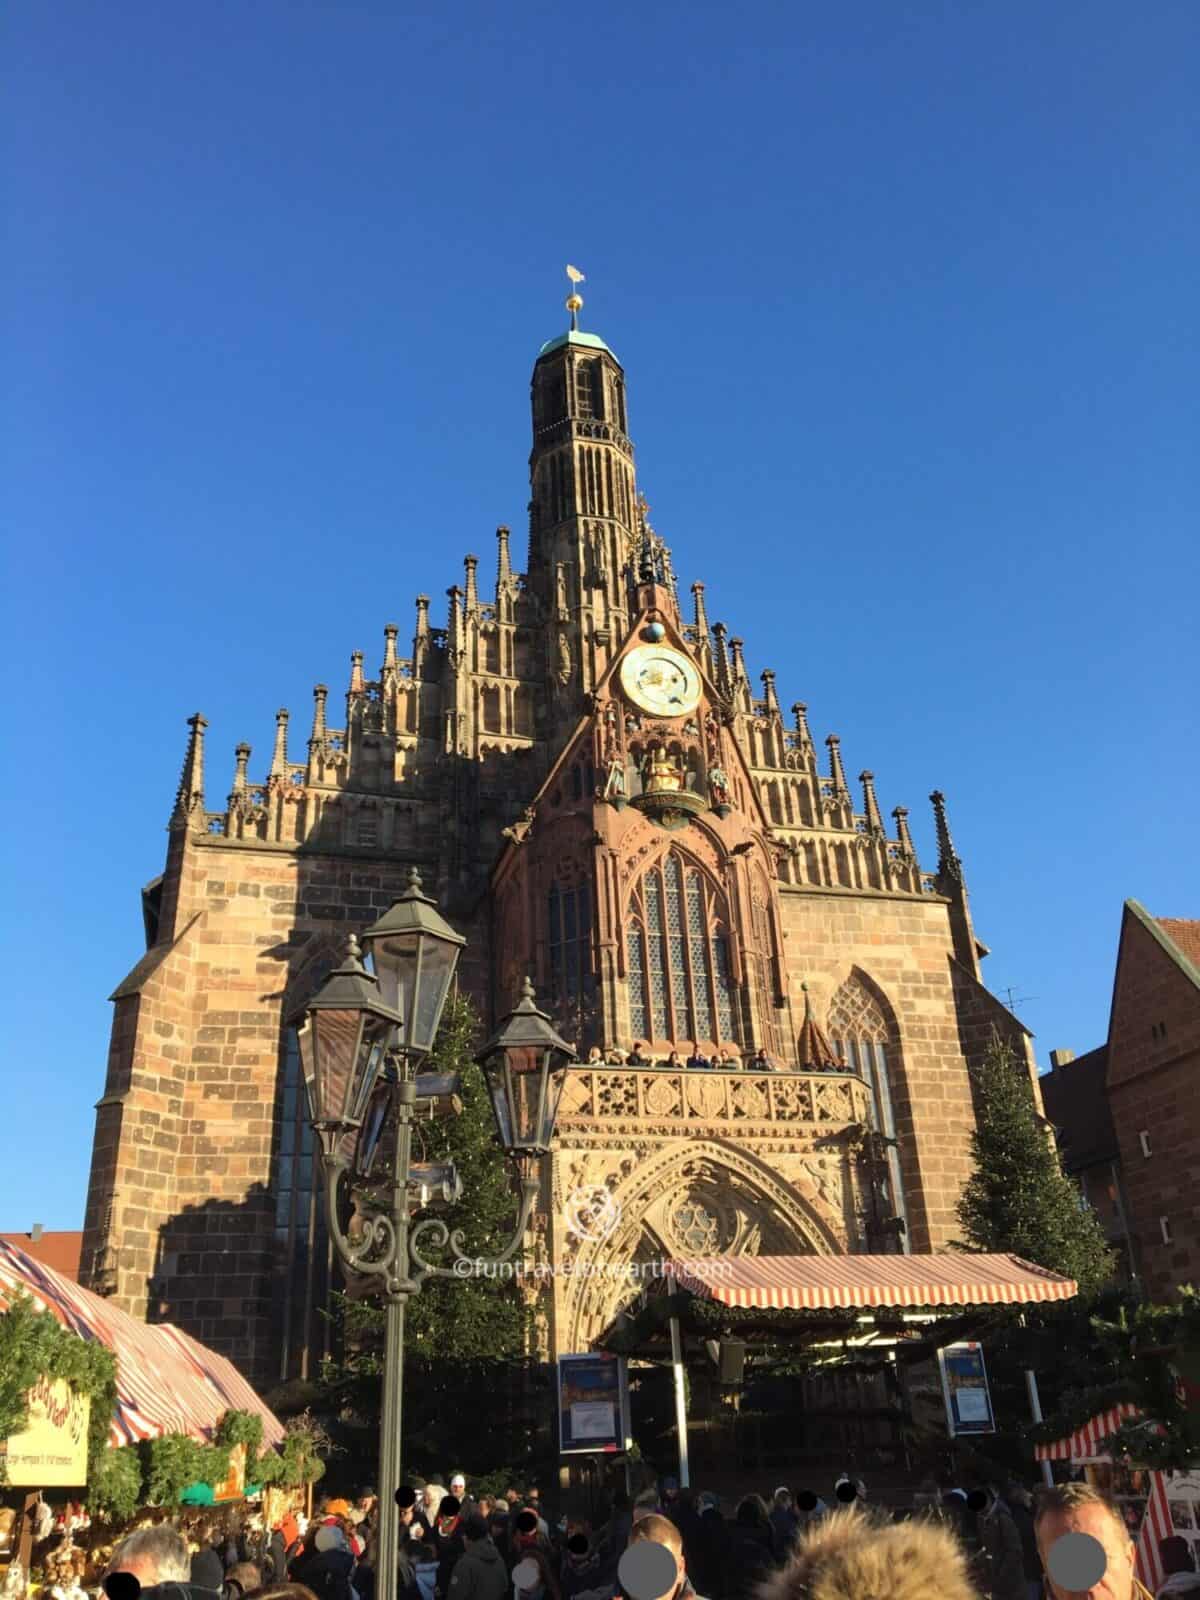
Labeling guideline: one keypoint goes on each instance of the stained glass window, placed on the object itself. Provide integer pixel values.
(678, 957)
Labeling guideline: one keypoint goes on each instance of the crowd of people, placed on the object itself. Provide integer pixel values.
(985, 1543)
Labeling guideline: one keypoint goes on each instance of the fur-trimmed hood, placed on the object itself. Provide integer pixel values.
(853, 1556)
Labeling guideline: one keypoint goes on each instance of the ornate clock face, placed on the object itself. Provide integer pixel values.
(660, 680)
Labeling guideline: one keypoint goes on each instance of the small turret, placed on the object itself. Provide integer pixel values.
(241, 756)
(454, 625)
(279, 759)
(721, 661)
(318, 739)
(357, 681)
(836, 770)
(421, 636)
(770, 698)
(470, 567)
(391, 664)
(189, 797)
(951, 882)
(871, 805)
(504, 572)
(902, 834)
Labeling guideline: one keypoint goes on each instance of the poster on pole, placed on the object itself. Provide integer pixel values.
(593, 1404)
(965, 1389)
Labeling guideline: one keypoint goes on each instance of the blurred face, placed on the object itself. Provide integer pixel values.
(427, 1499)
(142, 1568)
(1117, 1582)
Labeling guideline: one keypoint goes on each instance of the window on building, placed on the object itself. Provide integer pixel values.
(585, 389)
(678, 956)
(367, 832)
(861, 1035)
(301, 1240)
(570, 941)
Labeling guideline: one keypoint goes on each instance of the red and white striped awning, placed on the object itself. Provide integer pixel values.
(834, 1283)
(1085, 1443)
(167, 1382)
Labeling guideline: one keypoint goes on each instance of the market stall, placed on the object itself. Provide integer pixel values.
(1148, 1500)
(167, 1382)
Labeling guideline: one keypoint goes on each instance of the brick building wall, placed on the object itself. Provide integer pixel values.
(1153, 1070)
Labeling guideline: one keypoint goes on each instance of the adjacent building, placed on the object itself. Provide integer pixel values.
(598, 794)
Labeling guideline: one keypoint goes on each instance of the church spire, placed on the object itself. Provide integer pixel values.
(279, 759)
(470, 567)
(949, 866)
(454, 625)
(391, 664)
(721, 671)
(902, 834)
(837, 772)
(421, 636)
(813, 1050)
(770, 698)
(189, 797)
(317, 737)
(357, 681)
(241, 757)
(504, 572)
(871, 805)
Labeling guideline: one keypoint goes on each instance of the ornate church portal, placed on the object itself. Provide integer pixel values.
(599, 798)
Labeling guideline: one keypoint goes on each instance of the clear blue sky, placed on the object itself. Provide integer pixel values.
(906, 296)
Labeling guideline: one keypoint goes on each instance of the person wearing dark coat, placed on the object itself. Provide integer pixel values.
(208, 1570)
(480, 1573)
(706, 1561)
(277, 1558)
(325, 1565)
(750, 1556)
(448, 1540)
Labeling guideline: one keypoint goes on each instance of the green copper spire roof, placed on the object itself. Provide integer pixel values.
(590, 341)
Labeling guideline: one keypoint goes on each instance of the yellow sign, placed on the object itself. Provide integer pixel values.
(234, 1484)
(51, 1452)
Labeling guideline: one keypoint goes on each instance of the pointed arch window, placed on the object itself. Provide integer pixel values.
(677, 947)
(861, 1036)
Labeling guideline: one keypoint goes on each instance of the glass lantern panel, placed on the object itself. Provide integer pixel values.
(525, 1079)
(336, 1061)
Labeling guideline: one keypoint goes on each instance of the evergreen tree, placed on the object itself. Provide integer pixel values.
(1018, 1199)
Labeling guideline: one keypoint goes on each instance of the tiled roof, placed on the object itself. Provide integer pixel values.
(1184, 933)
(59, 1251)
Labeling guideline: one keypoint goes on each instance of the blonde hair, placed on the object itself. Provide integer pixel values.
(1064, 1498)
(660, 1530)
(853, 1555)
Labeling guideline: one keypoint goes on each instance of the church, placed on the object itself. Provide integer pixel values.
(599, 795)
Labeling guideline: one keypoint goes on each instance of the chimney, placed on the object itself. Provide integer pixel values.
(1060, 1058)
(35, 1233)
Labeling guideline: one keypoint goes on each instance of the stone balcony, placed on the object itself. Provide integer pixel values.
(675, 1101)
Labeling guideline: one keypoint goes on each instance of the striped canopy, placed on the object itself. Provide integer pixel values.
(167, 1382)
(829, 1283)
(1084, 1443)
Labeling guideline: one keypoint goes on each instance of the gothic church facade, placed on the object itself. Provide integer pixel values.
(598, 795)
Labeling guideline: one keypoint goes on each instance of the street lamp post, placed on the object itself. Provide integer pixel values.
(364, 1035)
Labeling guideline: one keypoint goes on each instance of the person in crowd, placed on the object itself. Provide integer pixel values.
(759, 1061)
(707, 1552)
(681, 1509)
(809, 1508)
(638, 1056)
(1180, 1569)
(241, 1579)
(615, 1534)
(513, 1495)
(615, 1056)
(1079, 1508)
(595, 1056)
(432, 1496)
(672, 1062)
(728, 1059)
(158, 1555)
(448, 1540)
(480, 1573)
(851, 1555)
(207, 1570)
(583, 1567)
(325, 1563)
(424, 1564)
(533, 1500)
(647, 1504)
(1002, 1543)
(1020, 1504)
(533, 1578)
(783, 1520)
(750, 1555)
(698, 1061)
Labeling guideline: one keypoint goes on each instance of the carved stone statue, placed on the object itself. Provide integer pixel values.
(520, 830)
(718, 786)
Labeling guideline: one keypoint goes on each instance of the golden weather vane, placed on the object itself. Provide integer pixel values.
(574, 299)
